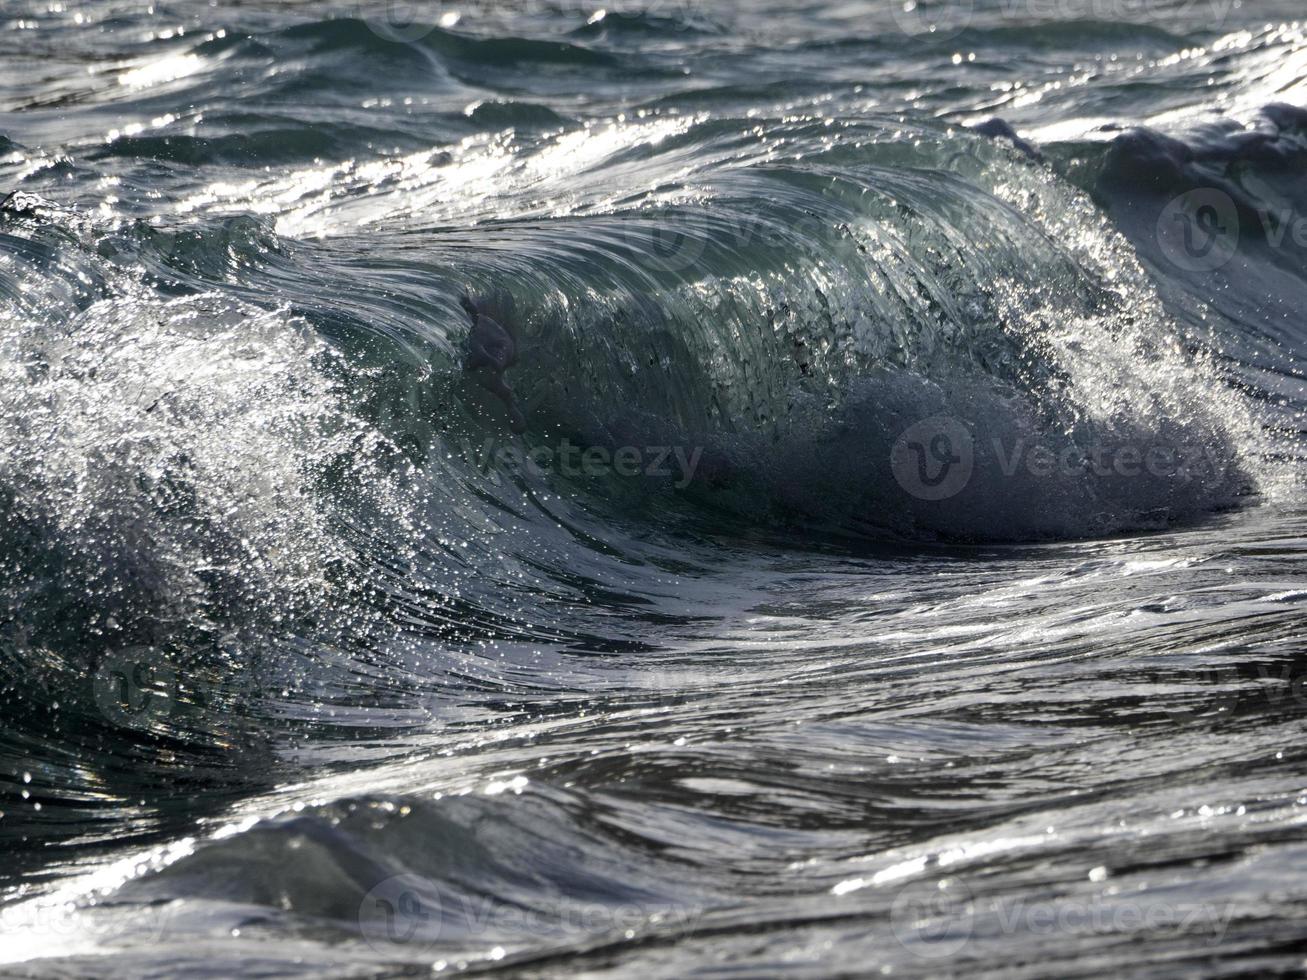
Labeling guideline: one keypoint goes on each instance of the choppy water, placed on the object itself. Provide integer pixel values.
(900, 571)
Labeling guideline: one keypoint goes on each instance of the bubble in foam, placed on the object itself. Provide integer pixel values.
(165, 456)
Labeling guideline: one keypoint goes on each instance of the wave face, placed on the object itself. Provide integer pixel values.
(886, 540)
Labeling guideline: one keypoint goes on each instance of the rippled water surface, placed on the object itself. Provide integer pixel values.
(883, 554)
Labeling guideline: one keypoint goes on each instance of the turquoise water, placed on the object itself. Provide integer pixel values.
(887, 557)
